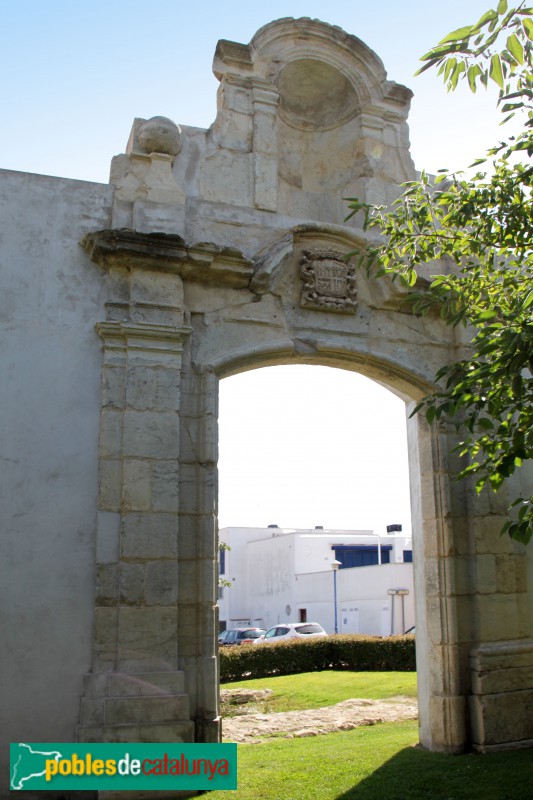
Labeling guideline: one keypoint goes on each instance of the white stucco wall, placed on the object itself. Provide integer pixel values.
(50, 299)
(362, 593)
(275, 572)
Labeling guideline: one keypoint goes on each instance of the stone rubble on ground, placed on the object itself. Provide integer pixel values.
(342, 716)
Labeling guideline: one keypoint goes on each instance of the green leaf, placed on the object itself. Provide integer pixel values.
(496, 480)
(489, 16)
(495, 71)
(426, 66)
(515, 48)
(456, 72)
(450, 64)
(488, 314)
(502, 7)
(480, 484)
(455, 36)
(473, 72)
(527, 24)
(528, 300)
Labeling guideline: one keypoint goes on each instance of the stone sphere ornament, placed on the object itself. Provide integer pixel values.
(160, 135)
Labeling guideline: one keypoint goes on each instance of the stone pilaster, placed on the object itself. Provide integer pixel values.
(198, 622)
(443, 588)
(136, 691)
(155, 655)
(265, 102)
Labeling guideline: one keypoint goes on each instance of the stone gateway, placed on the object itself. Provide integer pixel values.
(209, 253)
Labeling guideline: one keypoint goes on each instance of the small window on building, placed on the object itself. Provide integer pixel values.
(408, 556)
(302, 615)
(222, 562)
(220, 592)
(361, 555)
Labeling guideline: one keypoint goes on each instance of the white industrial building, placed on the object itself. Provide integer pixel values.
(350, 581)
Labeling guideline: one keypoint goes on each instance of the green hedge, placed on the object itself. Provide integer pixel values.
(350, 652)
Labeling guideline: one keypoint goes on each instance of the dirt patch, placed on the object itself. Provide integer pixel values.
(254, 727)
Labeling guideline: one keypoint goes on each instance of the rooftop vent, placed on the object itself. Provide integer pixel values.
(273, 526)
(319, 527)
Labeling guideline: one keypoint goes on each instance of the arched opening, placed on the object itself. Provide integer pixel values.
(313, 470)
(310, 445)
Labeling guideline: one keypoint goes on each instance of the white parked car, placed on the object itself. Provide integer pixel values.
(291, 630)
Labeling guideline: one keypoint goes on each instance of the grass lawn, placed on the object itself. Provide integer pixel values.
(317, 689)
(378, 762)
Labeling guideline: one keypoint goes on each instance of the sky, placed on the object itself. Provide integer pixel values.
(299, 446)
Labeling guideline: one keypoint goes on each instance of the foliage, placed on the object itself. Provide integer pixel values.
(481, 228)
(379, 762)
(343, 652)
(223, 582)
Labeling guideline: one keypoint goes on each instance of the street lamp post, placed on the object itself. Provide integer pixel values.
(335, 566)
(393, 593)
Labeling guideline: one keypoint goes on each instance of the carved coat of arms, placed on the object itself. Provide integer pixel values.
(328, 282)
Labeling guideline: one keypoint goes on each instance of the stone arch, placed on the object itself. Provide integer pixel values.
(190, 315)
(297, 334)
(442, 690)
(236, 259)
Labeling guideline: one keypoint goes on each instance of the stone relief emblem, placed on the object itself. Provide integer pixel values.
(328, 282)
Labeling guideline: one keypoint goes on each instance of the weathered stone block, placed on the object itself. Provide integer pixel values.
(105, 626)
(96, 685)
(153, 388)
(151, 435)
(200, 495)
(499, 719)
(91, 712)
(105, 639)
(172, 732)
(487, 535)
(110, 433)
(131, 710)
(156, 288)
(106, 584)
(145, 684)
(197, 536)
(113, 388)
(187, 580)
(510, 571)
(448, 728)
(501, 617)
(136, 485)
(110, 493)
(161, 586)
(485, 574)
(266, 182)
(147, 639)
(132, 583)
(107, 537)
(458, 575)
(165, 486)
(149, 536)
(89, 735)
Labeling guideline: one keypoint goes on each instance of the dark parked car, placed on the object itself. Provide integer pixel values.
(240, 635)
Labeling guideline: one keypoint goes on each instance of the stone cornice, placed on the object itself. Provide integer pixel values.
(162, 252)
(118, 335)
